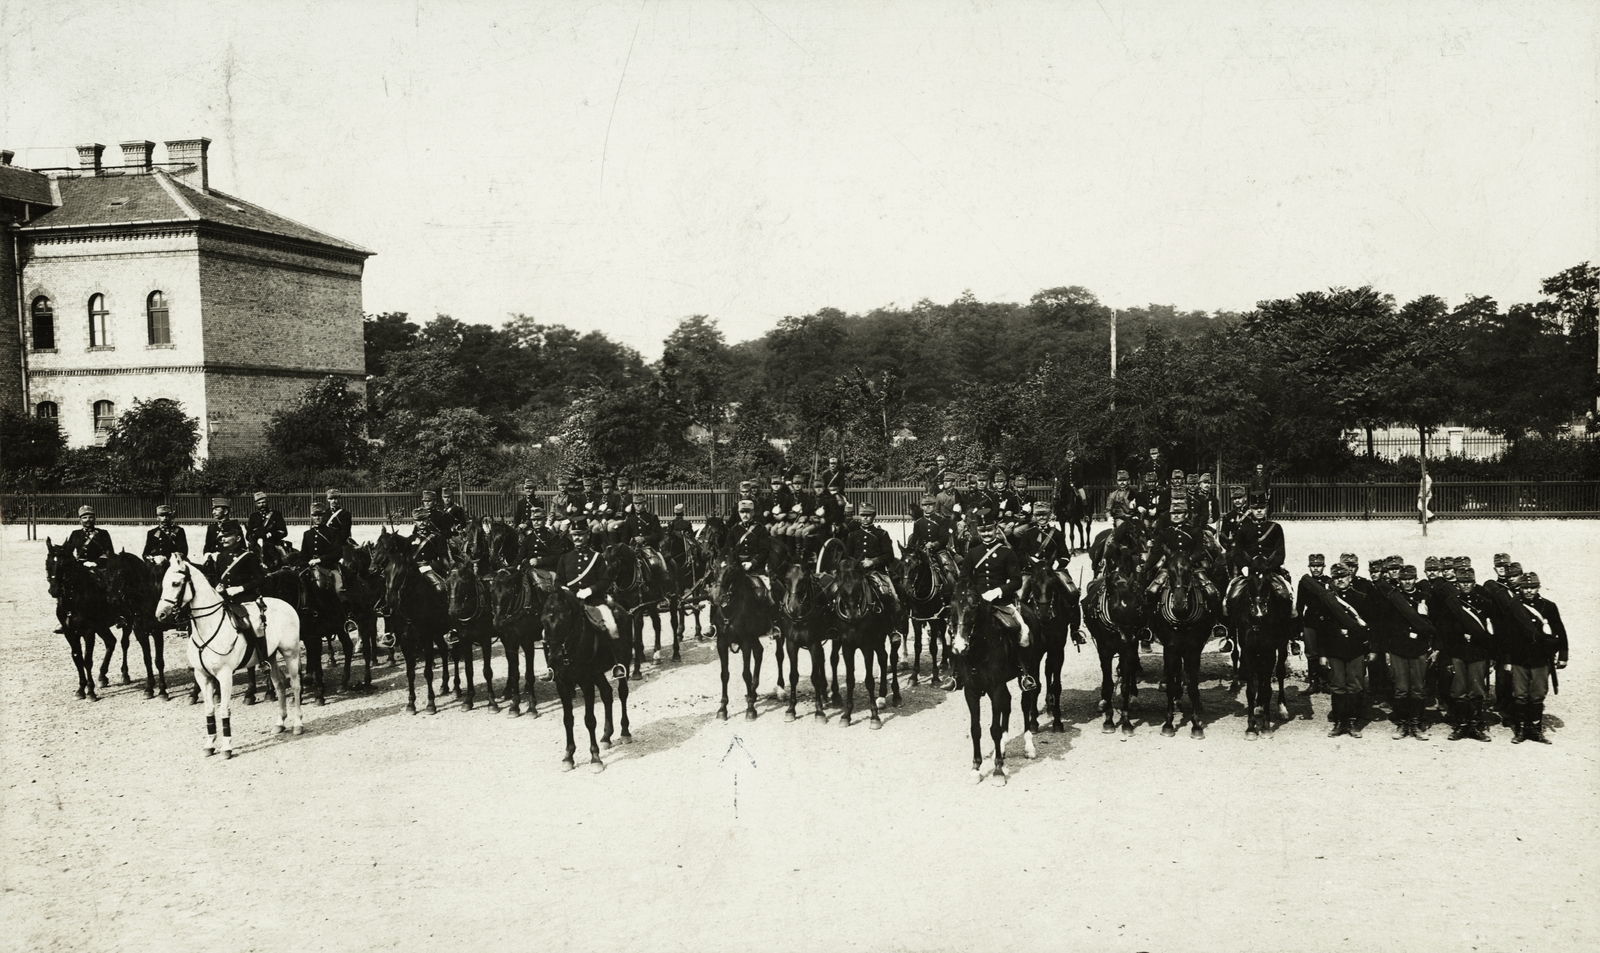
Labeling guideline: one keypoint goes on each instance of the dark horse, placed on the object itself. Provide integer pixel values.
(582, 656)
(472, 619)
(418, 611)
(807, 618)
(1072, 509)
(1181, 617)
(132, 592)
(863, 625)
(88, 613)
(1114, 611)
(741, 618)
(985, 661)
(1263, 620)
(517, 596)
(1058, 615)
(927, 580)
(686, 566)
(637, 586)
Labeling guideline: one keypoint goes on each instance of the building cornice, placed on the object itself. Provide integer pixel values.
(156, 228)
(217, 368)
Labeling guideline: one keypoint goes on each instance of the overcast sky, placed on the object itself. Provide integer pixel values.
(619, 166)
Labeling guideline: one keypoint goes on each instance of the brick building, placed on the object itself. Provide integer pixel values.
(141, 281)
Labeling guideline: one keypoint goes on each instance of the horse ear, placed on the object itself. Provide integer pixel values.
(49, 545)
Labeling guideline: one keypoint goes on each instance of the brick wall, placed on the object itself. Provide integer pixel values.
(10, 331)
(239, 406)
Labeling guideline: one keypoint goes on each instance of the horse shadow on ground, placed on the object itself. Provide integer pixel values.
(260, 739)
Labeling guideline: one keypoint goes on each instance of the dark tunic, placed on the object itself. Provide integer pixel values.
(217, 529)
(1342, 631)
(339, 526)
(1404, 627)
(584, 569)
(319, 542)
(166, 541)
(994, 567)
(1460, 622)
(933, 531)
(89, 545)
(261, 529)
(870, 546)
(751, 543)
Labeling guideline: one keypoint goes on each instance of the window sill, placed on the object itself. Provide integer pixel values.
(43, 350)
(161, 347)
(101, 347)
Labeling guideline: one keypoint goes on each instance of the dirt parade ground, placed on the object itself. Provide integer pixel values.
(378, 829)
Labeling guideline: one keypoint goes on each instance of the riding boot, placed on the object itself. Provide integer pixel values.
(1401, 718)
(1480, 720)
(1336, 714)
(1535, 729)
(1356, 714)
(1517, 716)
(1460, 721)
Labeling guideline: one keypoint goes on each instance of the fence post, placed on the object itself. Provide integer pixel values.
(1370, 500)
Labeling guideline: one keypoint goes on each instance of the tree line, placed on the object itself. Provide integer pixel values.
(984, 383)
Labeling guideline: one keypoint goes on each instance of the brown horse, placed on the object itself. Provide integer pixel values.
(583, 656)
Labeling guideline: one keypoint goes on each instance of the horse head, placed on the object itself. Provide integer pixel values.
(799, 590)
(461, 591)
(625, 565)
(52, 566)
(723, 578)
(511, 592)
(855, 595)
(1039, 588)
(177, 588)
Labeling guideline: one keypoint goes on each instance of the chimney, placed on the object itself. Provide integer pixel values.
(190, 152)
(89, 157)
(5, 156)
(137, 154)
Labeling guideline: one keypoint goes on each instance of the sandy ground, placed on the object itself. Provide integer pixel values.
(382, 830)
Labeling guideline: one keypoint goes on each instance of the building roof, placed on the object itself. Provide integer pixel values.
(24, 185)
(156, 197)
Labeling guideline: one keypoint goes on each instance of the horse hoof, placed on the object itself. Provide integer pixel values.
(722, 714)
(750, 715)
(1127, 730)
(1252, 735)
(1197, 732)
(1103, 706)
(567, 766)
(126, 680)
(249, 699)
(299, 730)
(192, 700)
(595, 767)
(656, 658)
(411, 708)
(105, 682)
(844, 720)
(913, 681)
(210, 752)
(605, 744)
(1167, 731)
(1028, 749)
(789, 716)
(515, 712)
(467, 705)
(1108, 729)
(227, 755)
(278, 730)
(977, 776)
(149, 694)
(164, 696)
(999, 777)
(321, 702)
(432, 709)
(875, 724)
(625, 739)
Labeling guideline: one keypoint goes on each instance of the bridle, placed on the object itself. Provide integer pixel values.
(460, 577)
(218, 610)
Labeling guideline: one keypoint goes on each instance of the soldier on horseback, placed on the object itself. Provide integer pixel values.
(996, 574)
(779, 501)
(1258, 547)
(680, 525)
(541, 546)
(165, 539)
(643, 531)
(1178, 537)
(522, 514)
(934, 534)
(451, 517)
(833, 477)
(222, 523)
(323, 544)
(751, 544)
(1122, 504)
(869, 544)
(582, 571)
(265, 527)
(89, 546)
(240, 572)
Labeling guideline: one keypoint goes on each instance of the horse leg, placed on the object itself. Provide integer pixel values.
(722, 656)
(411, 682)
(224, 698)
(849, 685)
(792, 646)
(603, 685)
(513, 693)
(427, 674)
(1252, 694)
(752, 677)
(834, 664)
(160, 639)
(565, 689)
(1055, 658)
(595, 764)
(1278, 706)
(999, 725)
(75, 646)
(208, 686)
(636, 626)
(622, 705)
(348, 648)
(1128, 668)
(917, 628)
(675, 608)
(819, 679)
(777, 659)
(1108, 654)
(111, 653)
(1235, 663)
(974, 703)
(315, 670)
(1191, 664)
(126, 678)
(1172, 670)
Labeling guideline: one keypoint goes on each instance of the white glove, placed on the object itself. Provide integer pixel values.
(234, 590)
(992, 595)
(316, 561)
(747, 564)
(425, 567)
(584, 593)
(91, 565)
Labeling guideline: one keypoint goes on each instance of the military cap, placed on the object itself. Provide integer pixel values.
(1317, 559)
(866, 509)
(1179, 505)
(231, 537)
(1447, 574)
(1513, 570)
(1258, 499)
(1408, 572)
(1350, 559)
(317, 506)
(747, 506)
(1375, 567)
(1502, 559)
(1122, 474)
(776, 480)
(527, 484)
(334, 494)
(944, 477)
(1236, 491)
(999, 473)
(1205, 477)
(1341, 571)
(420, 512)
(1465, 574)
(259, 496)
(1395, 562)
(429, 495)
(85, 510)
(816, 481)
(983, 516)
(1038, 506)
(928, 499)
(164, 510)
(1192, 479)
(1464, 561)
(217, 501)
(579, 525)
(677, 508)
(1177, 475)
(1447, 562)
(1431, 564)
(1149, 476)
(1530, 581)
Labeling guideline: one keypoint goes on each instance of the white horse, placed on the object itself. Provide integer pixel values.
(217, 647)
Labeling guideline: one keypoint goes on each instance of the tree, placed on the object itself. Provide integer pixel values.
(29, 446)
(325, 429)
(155, 441)
(386, 334)
(695, 368)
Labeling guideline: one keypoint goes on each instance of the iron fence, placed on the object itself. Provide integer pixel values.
(1303, 500)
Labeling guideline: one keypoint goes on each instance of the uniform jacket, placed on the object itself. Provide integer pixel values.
(751, 543)
(1462, 623)
(584, 569)
(217, 529)
(1343, 631)
(1121, 505)
(428, 549)
(261, 528)
(242, 569)
(951, 504)
(522, 514)
(1263, 539)
(320, 542)
(544, 546)
(452, 519)
(681, 527)
(1045, 545)
(994, 567)
(1013, 506)
(1310, 599)
(833, 480)
(1544, 613)
(162, 541)
(646, 525)
(339, 525)
(91, 545)
(932, 529)
(1406, 630)
(782, 501)
(870, 542)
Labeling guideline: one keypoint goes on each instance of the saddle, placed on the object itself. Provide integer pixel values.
(255, 643)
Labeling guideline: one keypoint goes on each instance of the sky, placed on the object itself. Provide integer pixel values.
(619, 166)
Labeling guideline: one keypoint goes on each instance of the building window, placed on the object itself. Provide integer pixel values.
(47, 410)
(160, 328)
(44, 324)
(105, 416)
(97, 322)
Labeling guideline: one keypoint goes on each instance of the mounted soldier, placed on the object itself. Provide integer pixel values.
(833, 478)
(949, 500)
(1015, 504)
(996, 574)
(522, 514)
(430, 508)
(869, 545)
(452, 517)
(680, 525)
(88, 546)
(429, 547)
(935, 534)
(542, 545)
(569, 505)
(1150, 504)
(1259, 547)
(1042, 542)
(751, 544)
(1177, 537)
(1205, 510)
(222, 523)
(1121, 504)
(582, 571)
(323, 546)
(934, 476)
(340, 523)
(1261, 485)
(779, 501)
(836, 514)
(166, 539)
(1228, 532)
(265, 529)
(642, 529)
(239, 572)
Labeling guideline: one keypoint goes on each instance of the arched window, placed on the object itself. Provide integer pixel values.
(156, 309)
(44, 324)
(47, 410)
(105, 416)
(97, 322)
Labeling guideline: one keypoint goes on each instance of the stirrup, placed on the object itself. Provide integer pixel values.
(619, 671)
(1027, 683)
(450, 637)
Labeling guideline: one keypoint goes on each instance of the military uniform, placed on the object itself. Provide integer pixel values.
(833, 478)
(215, 530)
(1539, 642)
(1461, 620)
(451, 518)
(163, 542)
(340, 523)
(1406, 635)
(1122, 504)
(1310, 604)
(996, 574)
(1343, 639)
(265, 527)
(89, 545)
